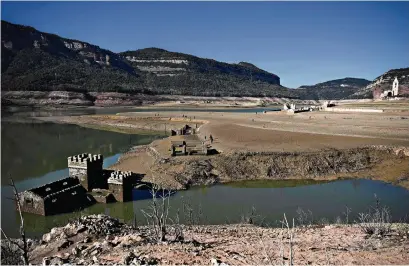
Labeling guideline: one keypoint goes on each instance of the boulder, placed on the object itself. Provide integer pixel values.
(64, 244)
(47, 237)
(128, 258)
(76, 251)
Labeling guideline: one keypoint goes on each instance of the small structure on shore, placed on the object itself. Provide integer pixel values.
(188, 148)
(87, 183)
(291, 109)
(393, 92)
(327, 104)
(178, 148)
(185, 130)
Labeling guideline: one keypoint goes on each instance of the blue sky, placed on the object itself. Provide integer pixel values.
(302, 42)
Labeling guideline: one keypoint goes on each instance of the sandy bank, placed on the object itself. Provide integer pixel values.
(316, 145)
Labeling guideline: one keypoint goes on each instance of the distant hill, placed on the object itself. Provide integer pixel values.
(41, 68)
(333, 89)
(384, 82)
(36, 61)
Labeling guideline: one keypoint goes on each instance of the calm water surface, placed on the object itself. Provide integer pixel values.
(34, 154)
(27, 113)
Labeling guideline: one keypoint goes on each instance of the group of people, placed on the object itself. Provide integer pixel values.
(210, 138)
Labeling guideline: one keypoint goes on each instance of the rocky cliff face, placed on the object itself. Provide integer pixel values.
(37, 61)
(16, 38)
(384, 82)
(164, 63)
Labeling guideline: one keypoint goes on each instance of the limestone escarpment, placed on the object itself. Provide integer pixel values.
(38, 61)
(71, 98)
(164, 63)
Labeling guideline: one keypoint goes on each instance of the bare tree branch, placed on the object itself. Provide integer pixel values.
(24, 247)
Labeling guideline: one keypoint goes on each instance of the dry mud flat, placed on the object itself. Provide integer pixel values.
(273, 131)
(100, 239)
(313, 145)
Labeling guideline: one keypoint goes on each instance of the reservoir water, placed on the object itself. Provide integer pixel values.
(36, 153)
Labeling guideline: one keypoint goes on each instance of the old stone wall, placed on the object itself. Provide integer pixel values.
(117, 191)
(88, 169)
(64, 195)
(103, 196)
(121, 185)
(403, 90)
(55, 186)
(355, 110)
(95, 175)
(67, 200)
(31, 203)
(376, 93)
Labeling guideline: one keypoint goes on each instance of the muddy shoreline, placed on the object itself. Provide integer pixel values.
(389, 163)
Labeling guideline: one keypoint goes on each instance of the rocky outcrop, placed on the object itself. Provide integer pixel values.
(38, 61)
(42, 98)
(324, 165)
(162, 62)
(305, 165)
(110, 242)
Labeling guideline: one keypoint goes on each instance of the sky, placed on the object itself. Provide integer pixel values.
(303, 43)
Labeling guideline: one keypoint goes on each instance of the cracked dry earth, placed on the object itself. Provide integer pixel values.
(100, 239)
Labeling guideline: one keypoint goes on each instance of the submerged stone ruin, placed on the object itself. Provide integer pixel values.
(185, 130)
(121, 185)
(86, 184)
(64, 195)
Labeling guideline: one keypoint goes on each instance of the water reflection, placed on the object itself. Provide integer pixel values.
(225, 203)
(35, 154)
(30, 150)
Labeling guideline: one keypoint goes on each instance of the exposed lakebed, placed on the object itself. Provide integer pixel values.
(34, 154)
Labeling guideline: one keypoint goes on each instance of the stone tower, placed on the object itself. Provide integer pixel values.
(121, 185)
(395, 87)
(88, 169)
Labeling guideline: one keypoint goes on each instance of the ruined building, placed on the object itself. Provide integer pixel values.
(121, 184)
(388, 93)
(185, 130)
(88, 169)
(383, 91)
(190, 147)
(87, 183)
(64, 195)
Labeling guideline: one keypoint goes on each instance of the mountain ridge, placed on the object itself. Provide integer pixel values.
(336, 89)
(35, 61)
(38, 61)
